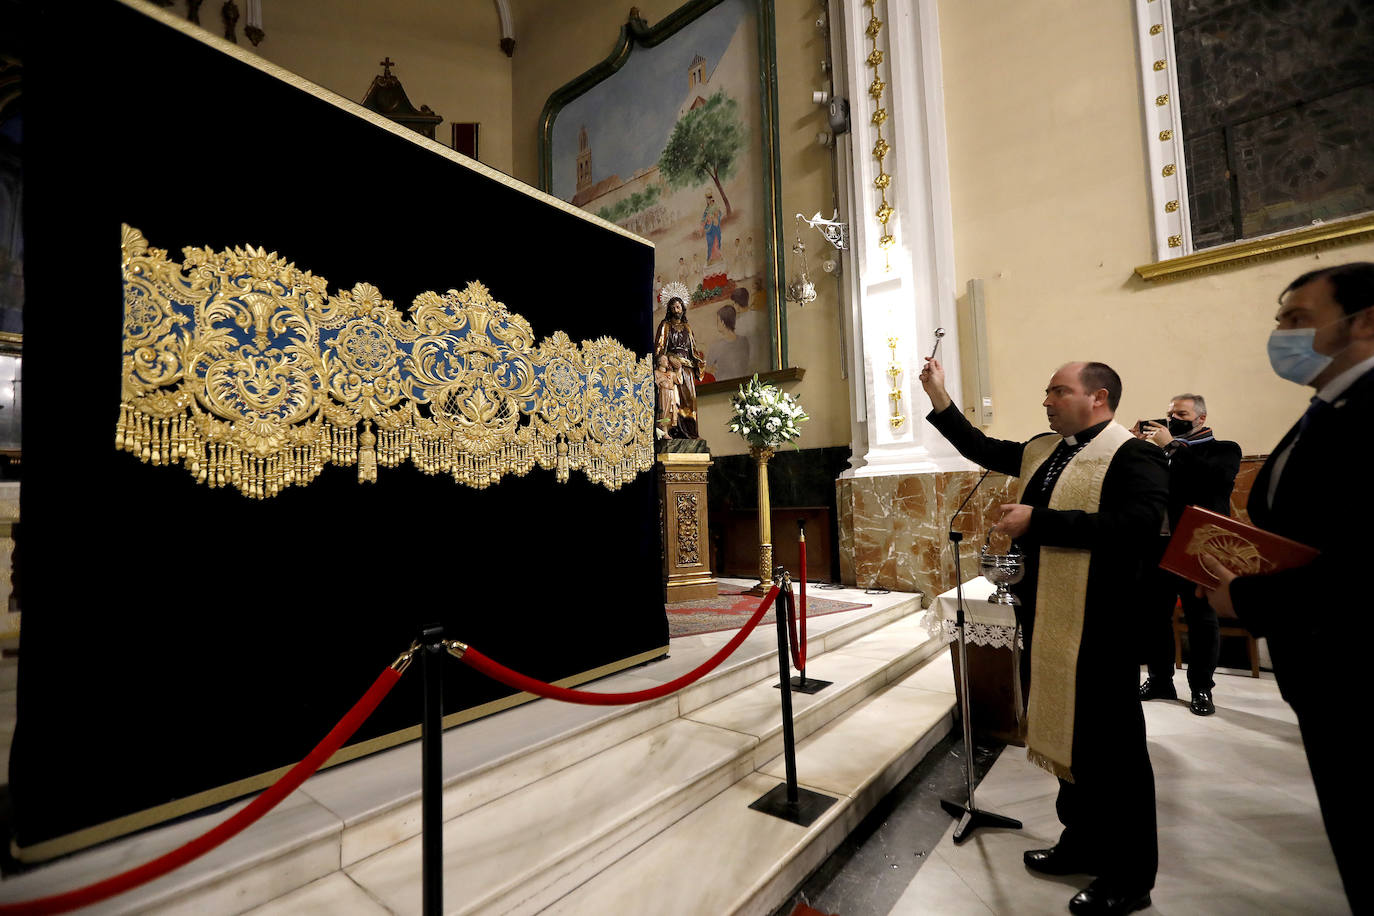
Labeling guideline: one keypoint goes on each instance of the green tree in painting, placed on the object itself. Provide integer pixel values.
(705, 143)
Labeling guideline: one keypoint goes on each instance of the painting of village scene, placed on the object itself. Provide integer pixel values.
(669, 148)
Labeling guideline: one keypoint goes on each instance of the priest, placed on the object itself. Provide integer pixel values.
(1091, 499)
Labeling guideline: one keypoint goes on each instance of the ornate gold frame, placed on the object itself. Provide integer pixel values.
(1326, 235)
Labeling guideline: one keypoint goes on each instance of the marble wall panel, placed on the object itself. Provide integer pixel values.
(894, 531)
(845, 524)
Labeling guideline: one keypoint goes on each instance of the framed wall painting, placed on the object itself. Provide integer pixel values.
(674, 137)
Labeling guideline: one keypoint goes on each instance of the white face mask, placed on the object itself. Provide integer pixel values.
(1293, 356)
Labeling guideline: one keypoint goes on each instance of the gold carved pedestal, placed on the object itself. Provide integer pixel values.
(686, 554)
(761, 454)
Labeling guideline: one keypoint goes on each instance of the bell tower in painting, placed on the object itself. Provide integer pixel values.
(584, 160)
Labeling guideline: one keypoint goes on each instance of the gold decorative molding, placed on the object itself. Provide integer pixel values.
(1175, 241)
(1156, 29)
(1312, 238)
(881, 148)
(1160, 64)
(1165, 135)
(1171, 206)
(1162, 100)
(1168, 170)
(243, 368)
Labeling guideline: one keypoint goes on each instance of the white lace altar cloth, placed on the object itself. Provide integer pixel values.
(985, 624)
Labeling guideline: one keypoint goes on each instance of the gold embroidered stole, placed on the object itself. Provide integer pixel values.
(1060, 596)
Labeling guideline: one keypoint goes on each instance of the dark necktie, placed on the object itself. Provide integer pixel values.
(1063, 453)
(1313, 409)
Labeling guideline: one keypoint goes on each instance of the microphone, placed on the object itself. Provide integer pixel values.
(958, 535)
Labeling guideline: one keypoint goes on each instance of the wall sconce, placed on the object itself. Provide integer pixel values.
(835, 231)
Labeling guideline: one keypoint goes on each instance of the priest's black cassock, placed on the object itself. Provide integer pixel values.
(1108, 811)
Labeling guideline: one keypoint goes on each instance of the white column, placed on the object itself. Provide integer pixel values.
(909, 290)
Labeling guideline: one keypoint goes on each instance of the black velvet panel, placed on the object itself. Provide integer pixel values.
(177, 638)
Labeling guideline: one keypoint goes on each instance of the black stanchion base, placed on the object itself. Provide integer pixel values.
(970, 819)
(809, 685)
(808, 806)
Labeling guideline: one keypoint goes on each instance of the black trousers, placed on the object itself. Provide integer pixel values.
(1322, 679)
(1163, 592)
(1108, 811)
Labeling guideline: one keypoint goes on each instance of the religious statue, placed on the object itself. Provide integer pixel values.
(676, 355)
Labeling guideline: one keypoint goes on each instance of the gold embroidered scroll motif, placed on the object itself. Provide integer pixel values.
(243, 368)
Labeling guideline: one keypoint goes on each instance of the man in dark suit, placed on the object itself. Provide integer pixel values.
(1202, 472)
(1090, 508)
(1314, 489)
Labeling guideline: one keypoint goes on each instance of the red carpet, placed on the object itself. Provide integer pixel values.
(732, 610)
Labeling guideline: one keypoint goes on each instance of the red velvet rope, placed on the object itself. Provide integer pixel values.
(498, 672)
(94, 893)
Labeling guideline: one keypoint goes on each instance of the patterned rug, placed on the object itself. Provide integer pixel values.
(732, 610)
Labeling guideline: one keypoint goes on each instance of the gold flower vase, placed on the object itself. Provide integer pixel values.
(761, 454)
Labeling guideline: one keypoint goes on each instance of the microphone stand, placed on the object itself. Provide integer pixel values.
(970, 818)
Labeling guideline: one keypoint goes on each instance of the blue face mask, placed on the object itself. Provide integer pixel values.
(1292, 356)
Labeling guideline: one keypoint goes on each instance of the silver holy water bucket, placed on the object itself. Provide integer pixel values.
(1002, 570)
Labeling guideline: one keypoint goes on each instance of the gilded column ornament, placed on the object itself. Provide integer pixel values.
(761, 454)
(244, 369)
(894, 371)
(687, 530)
(881, 148)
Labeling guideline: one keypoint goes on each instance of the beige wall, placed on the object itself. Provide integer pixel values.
(447, 57)
(559, 39)
(1051, 209)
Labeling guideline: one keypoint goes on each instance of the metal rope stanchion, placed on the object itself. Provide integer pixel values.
(432, 653)
(801, 683)
(788, 800)
(970, 818)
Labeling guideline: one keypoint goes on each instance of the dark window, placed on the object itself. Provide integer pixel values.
(1277, 98)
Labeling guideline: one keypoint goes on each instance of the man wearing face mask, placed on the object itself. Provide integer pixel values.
(1313, 489)
(1202, 471)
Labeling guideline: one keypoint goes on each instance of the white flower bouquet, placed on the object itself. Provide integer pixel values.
(764, 415)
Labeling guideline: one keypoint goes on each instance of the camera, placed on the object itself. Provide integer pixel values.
(1140, 424)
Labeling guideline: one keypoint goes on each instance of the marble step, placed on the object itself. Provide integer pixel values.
(726, 858)
(351, 813)
(523, 852)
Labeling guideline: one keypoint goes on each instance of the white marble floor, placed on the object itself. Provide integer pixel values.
(1239, 828)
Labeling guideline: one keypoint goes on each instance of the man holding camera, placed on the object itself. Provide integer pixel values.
(1202, 471)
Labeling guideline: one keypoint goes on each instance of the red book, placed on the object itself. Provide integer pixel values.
(1242, 548)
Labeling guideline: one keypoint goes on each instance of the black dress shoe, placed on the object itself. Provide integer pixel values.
(1102, 898)
(1056, 861)
(1155, 690)
(1202, 703)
